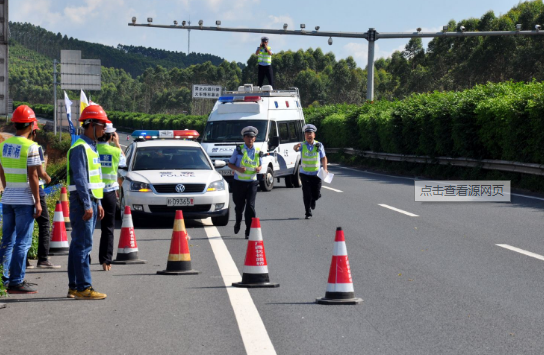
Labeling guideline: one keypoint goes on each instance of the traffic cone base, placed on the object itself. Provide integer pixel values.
(340, 284)
(179, 257)
(59, 239)
(255, 271)
(127, 250)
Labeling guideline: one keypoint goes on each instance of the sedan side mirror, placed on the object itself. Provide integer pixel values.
(219, 163)
(274, 143)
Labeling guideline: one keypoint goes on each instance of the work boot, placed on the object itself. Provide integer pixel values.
(71, 293)
(29, 265)
(89, 294)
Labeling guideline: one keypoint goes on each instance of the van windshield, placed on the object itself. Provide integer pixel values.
(231, 131)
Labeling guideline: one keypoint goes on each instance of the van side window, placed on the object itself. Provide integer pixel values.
(293, 136)
(273, 131)
(284, 133)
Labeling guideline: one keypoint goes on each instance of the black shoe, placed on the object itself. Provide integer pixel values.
(22, 288)
(47, 265)
(247, 233)
(312, 205)
(308, 216)
(237, 228)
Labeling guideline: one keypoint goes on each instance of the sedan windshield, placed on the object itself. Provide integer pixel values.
(231, 131)
(171, 158)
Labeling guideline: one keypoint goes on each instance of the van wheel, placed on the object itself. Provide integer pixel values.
(295, 178)
(268, 180)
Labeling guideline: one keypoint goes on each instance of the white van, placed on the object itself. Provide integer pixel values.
(277, 114)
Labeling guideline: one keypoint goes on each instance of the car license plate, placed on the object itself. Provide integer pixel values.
(226, 172)
(180, 201)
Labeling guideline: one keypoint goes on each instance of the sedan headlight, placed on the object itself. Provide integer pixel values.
(139, 186)
(218, 185)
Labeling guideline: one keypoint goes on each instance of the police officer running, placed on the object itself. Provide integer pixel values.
(246, 163)
(264, 58)
(84, 180)
(44, 226)
(111, 158)
(20, 161)
(313, 153)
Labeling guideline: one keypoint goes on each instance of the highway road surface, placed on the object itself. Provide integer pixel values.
(436, 278)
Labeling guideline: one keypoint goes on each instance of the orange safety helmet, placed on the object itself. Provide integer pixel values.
(93, 112)
(23, 114)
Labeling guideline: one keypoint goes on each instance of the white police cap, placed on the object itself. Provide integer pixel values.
(264, 39)
(250, 131)
(309, 128)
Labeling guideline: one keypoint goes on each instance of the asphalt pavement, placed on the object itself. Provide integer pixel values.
(436, 278)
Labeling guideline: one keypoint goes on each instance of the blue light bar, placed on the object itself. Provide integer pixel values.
(226, 99)
(146, 134)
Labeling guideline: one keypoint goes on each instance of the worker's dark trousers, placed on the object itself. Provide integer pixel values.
(44, 231)
(265, 71)
(311, 190)
(107, 225)
(243, 195)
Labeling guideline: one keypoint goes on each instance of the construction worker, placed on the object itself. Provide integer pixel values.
(19, 164)
(264, 58)
(84, 180)
(44, 227)
(111, 158)
(313, 153)
(246, 163)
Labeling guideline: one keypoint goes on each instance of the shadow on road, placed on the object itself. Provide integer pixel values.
(44, 299)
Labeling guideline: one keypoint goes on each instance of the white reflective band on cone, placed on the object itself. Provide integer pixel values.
(127, 250)
(340, 287)
(58, 217)
(255, 269)
(340, 249)
(127, 221)
(63, 244)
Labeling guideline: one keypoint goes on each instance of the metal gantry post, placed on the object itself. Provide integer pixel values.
(370, 66)
(55, 94)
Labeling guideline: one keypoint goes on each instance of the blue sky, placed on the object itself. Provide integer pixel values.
(105, 21)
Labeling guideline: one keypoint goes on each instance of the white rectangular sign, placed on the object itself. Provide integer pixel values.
(206, 91)
(462, 191)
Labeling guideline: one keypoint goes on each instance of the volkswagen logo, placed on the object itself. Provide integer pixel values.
(180, 188)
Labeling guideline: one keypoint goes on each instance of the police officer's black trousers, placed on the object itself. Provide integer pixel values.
(243, 195)
(265, 71)
(311, 190)
(107, 225)
(44, 233)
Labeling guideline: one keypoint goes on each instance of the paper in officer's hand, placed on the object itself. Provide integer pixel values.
(325, 176)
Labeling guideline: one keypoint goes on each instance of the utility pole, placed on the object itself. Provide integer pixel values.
(371, 36)
(189, 40)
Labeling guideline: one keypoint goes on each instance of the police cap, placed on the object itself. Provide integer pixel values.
(250, 131)
(264, 39)
(309, 128)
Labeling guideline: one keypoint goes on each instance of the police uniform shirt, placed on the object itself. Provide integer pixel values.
(311, 148)
(236, 158)
(23, 195)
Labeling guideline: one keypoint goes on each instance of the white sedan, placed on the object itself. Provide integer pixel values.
(165, 175)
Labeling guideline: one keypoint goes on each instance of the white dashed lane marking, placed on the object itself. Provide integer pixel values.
(521, 251)
(330, 188)
(399, 211)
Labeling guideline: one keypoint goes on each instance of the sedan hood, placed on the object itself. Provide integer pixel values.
(174, 176)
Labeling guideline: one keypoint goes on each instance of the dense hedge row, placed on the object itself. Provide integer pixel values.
(494, 121)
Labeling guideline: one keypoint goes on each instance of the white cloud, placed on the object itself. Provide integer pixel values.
(37, 12)
(93, 9)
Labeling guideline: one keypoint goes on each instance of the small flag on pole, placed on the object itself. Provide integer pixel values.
(68, 104)
(83, 102)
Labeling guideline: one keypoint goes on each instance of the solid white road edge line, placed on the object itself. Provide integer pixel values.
(399, 211)
(330, 188)
(252, 329)
(521, 251)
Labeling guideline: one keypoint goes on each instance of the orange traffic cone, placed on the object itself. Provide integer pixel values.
(179, 258)
(255, 271)
(340, 285)
(65, 208)
(59, 239)
(127, 250)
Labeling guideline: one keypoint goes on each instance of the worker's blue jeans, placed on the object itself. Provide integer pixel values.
(79, 271)
(18, 223)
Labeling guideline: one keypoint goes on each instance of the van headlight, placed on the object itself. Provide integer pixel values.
(139, 186)
(218, 185)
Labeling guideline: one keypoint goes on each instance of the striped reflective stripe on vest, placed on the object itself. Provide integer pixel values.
(14, 160)
(251, 166)
(264, 57)
(310, 160)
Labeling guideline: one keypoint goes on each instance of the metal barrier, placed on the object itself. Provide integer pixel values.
(501, 165)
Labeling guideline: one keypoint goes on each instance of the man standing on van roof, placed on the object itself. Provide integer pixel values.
(264, 54)
(246, 163)
(313, 153)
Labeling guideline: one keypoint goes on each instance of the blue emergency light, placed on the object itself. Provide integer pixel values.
(165, 134)
(239, 98)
